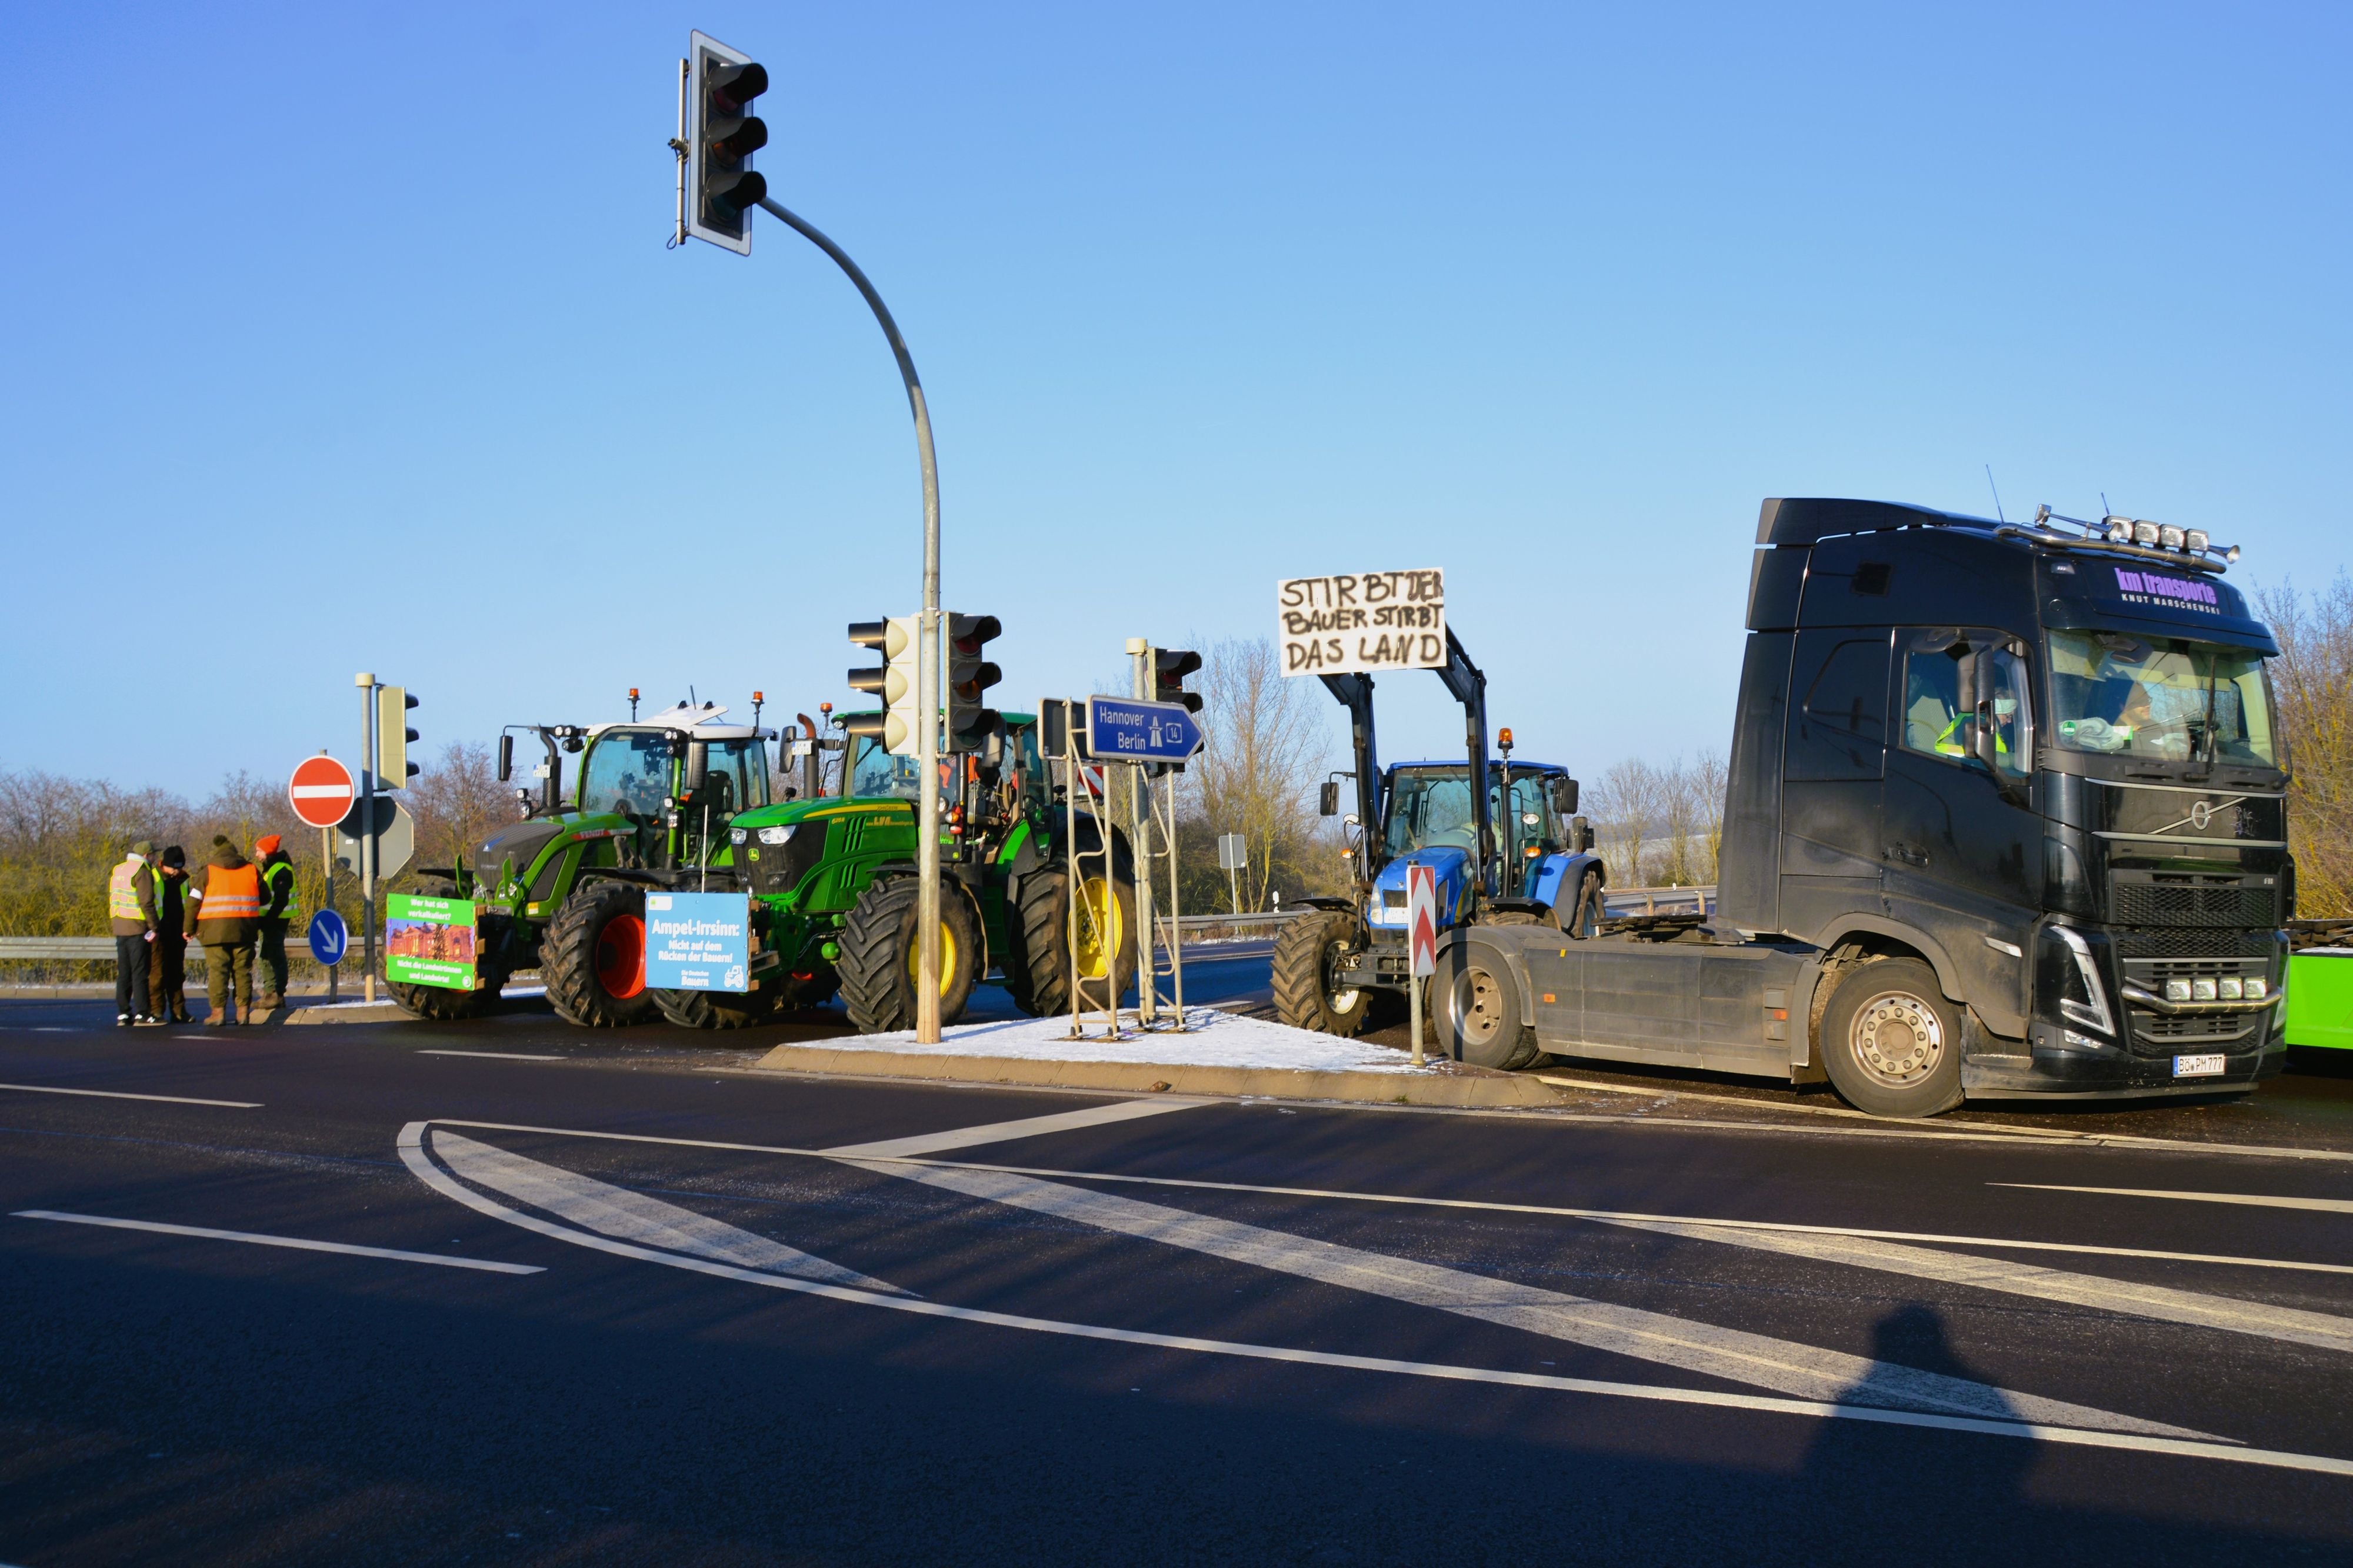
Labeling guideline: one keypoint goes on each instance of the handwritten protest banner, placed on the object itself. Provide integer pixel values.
(1369, 621)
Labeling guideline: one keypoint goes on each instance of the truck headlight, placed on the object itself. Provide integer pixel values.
(737, 836)
(2068, 981)
(776, 834)
(2176, 990)
(2229, 990)
(2257, 990)
(2201, 990)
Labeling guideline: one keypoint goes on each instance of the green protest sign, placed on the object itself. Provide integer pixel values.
(429, 941)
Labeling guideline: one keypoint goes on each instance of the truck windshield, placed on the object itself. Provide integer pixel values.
(876, 772)
(2164, 699)
(745, 765)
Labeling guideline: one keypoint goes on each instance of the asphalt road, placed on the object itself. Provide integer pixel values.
(615, 1300)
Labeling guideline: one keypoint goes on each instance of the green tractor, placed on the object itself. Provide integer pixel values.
(650, 806)
(687, 806)
(1009, 911)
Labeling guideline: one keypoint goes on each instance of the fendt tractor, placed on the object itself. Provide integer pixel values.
(1347, 963)
(650, 802)
(2005, 819)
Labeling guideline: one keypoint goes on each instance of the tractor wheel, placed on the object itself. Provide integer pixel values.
(879, 952)
(1583, 917)
(439, 1003)
(1039, 971)
(594, 958)
(1307, 994)
(1512, 918)
(715, 1009)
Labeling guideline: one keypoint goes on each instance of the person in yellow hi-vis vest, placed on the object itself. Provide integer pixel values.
(279, 909)
(225, 912)
(131, 916)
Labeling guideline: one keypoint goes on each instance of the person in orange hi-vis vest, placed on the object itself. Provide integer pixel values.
(224, 914)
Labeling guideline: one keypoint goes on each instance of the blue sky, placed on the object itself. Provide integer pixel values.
(349, 332)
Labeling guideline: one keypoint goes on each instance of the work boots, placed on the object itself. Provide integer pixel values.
(272, 1003)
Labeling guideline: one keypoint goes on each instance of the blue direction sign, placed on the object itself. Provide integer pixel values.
(1122, 729)
(329, 938)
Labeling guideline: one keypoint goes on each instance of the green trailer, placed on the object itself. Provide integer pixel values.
(2320, 997)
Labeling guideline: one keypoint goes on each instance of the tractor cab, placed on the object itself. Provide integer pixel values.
(674, 782)
(1430, 821)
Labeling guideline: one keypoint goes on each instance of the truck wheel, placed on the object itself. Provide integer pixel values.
(715, 1009)
(1039, 971)
(879, 952)
(1479, 1011)
(1891, 1042)
(439, 1003)
(1309, 994)
(594, 958)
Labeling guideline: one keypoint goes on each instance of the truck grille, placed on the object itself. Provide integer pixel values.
(2157, 1035)
(2132, 944)
(2183, 898)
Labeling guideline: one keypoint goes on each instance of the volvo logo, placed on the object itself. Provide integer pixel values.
(2200, 814)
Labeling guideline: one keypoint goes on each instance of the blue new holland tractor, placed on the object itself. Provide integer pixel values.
(1513, 853)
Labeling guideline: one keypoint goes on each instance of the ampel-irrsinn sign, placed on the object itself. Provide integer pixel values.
(1368, 621)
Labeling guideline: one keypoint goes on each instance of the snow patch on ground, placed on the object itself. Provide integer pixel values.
(1212, 1038)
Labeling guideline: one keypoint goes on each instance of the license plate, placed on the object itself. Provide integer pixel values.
(2196, 1067)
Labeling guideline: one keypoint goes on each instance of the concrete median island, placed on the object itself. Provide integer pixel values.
(1219, 1053)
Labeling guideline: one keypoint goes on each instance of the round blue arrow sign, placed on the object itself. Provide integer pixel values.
(329, 937)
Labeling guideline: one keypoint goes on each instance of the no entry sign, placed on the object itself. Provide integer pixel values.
(321, 791)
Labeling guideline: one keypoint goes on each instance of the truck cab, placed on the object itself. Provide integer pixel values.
(2005, 817)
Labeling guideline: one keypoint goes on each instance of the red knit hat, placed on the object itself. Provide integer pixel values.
(267, 844)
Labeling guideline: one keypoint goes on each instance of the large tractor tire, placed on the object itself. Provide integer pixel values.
(1891, 1042)
(439, 1003)
(715, 1009)
(1308, 993)
(1585, 909)
(594, 958)
(1478, 1005)
(1039, 972)
(879, 952)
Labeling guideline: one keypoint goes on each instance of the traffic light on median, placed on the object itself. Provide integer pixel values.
(722, 135)
(1170, 665)
(970, 674)
(393, 736)
(893, 683)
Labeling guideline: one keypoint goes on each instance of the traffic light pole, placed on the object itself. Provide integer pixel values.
(928, 650)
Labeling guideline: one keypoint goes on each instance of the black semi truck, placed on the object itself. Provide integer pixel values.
(2005, 819)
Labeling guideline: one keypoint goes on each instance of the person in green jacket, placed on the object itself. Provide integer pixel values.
(277, 911)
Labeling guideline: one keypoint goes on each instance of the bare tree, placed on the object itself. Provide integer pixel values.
(1626, 808)
(2314, 680)
(1256, 776)
(456, 802)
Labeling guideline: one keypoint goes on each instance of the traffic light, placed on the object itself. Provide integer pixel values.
(896, 641)
(969, 678)
(1170, 665)
(722, 135)
(393, 768)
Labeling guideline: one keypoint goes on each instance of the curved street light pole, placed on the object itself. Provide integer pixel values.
(927, 649)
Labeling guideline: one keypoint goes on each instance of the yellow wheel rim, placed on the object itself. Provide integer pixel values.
(1100, 931)
(947, 959)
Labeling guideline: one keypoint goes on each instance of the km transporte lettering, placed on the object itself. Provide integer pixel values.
(1363, 621)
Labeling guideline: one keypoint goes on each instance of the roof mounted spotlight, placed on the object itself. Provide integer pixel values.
(2118, 530)
(2170, 537)
(2145, 533)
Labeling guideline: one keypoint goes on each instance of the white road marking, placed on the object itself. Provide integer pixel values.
(634, 1216)
(118, 1094)
(1657, 1093)
(2256, 1200)
(413, 1155)
(496, 1055)
(299, 1243)
(2227, 1260)
(1002, 1132)
(1733, 1354)
(2229, 1314)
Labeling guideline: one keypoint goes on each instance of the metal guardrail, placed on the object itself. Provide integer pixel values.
(1659, 900)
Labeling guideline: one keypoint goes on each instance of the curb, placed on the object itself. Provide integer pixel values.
(349, 1013)
(1449, 1085)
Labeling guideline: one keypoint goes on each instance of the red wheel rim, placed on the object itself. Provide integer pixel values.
(622, 956)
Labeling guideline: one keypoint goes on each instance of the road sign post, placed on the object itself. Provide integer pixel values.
(321, 793)
(1233, 858)
(1421, 940)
